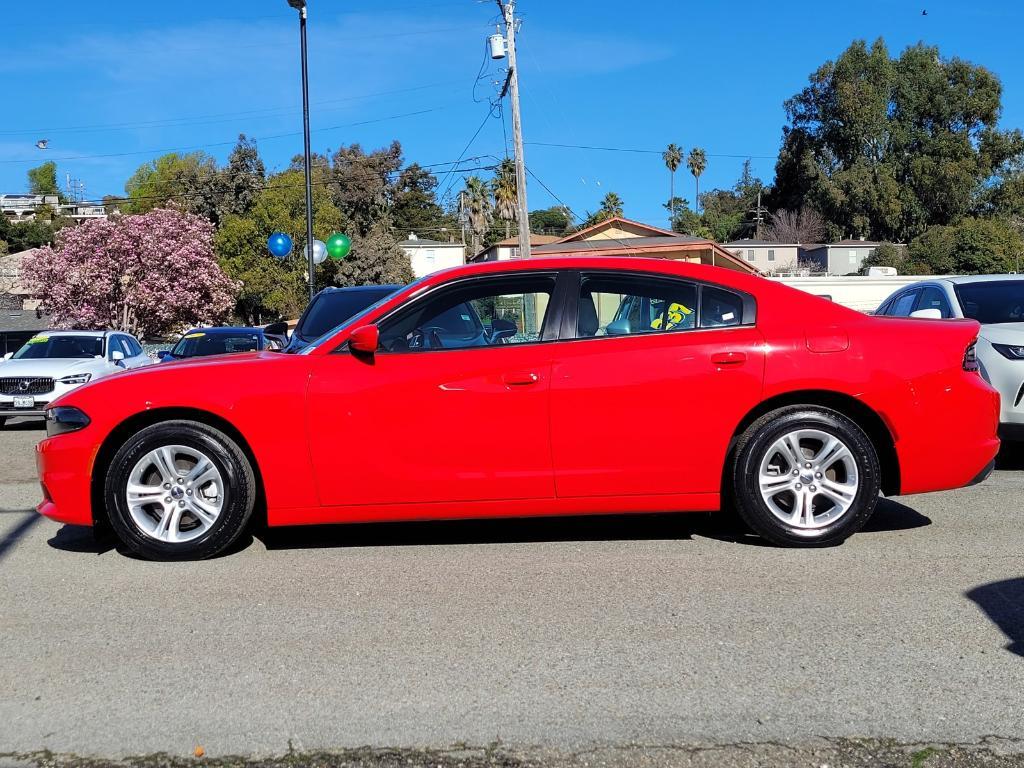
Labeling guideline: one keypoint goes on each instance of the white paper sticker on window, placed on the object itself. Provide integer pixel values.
(728, 316)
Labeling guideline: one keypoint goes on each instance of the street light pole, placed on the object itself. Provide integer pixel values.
(300, 6)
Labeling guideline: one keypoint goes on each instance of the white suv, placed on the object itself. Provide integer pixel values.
(995, 301)
(54, 362)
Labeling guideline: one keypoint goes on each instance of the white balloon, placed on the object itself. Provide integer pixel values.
(319, 251)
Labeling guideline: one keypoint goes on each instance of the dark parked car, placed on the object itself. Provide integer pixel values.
(331, 307)
(201, 342)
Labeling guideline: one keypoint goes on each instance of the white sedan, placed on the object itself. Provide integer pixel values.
(54, 362)
(995, 301)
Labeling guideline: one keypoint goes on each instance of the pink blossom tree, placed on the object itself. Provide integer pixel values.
(147, 274)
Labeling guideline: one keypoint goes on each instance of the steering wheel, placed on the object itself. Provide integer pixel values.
(426, 338)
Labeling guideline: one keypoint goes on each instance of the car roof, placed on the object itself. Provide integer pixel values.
(214, 329)
(670, 267)
(61, 332)
(964, 279)
(357, 288)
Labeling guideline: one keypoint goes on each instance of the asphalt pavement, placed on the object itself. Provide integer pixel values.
(587, 633)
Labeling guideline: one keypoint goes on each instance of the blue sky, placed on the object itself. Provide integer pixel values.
(112, 84)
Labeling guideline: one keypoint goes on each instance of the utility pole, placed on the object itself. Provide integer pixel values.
(758, 212)
(300, 6)
(508, 10)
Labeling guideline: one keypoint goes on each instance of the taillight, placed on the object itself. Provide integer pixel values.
(971, 358)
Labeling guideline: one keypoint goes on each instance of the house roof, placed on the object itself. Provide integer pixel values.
(770, 243)
(422, 241)
(842, 244)
(618, 221)
(628, 243)
(535, 239)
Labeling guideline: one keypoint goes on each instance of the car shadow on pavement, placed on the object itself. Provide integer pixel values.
(84, 539)
(890, 516)
(1003, 603)
(25, 425)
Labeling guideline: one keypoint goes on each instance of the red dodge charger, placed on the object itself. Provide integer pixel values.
(554, 386)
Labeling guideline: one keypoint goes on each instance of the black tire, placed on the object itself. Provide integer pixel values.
(757, 440)
(239, 490)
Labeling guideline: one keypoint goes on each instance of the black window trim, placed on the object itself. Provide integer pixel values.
(571, 309)
(549, 331)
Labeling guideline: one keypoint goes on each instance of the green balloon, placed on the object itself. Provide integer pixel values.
(338, 245)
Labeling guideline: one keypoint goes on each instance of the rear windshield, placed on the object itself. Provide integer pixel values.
(198, 344)
(335, 307)
(45, 346)
(998, 301)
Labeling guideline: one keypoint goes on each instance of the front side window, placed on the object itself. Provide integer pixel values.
(478, 313)
(904, 304)
(934, 298)
(993, 301)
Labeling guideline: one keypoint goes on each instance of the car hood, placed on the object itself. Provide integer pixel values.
(54, 368)
(1003, 333)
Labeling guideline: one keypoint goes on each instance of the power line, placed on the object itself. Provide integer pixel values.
(462, 154)
(641, 151)
(233, 141)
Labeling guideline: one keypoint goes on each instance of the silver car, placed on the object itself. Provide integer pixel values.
(995, 301)
(52, 363)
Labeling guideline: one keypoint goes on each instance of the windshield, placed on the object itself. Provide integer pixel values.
(998, 301)
(199, 343)
(47, 347)
(333, 308)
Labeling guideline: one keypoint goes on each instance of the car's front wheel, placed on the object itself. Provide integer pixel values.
(805, 476)
(179, 490)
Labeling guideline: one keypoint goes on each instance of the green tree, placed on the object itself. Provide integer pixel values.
(673, 157)
(361, 185)
(972, 246)
(551, 221)
(21, 236)
(42, 180)
(238, 184)
(697, 162)
(477, 205)
(685, 221)
(886, 147)
(188, 182)
(503, 187)
(415, 206)
(272, 288)
(611, 207)
(375, 259)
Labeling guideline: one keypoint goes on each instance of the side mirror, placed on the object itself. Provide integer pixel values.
(117, 357)
(277, 329)
(8, 356)
(163, 353)
(927, 314)
(364, 339)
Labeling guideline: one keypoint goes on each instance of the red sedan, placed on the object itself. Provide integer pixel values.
(554, 386)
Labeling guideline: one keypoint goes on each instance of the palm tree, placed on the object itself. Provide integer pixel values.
(477, 201)
(673, 156)
(503, 186)
(697, 162)
(611, 206)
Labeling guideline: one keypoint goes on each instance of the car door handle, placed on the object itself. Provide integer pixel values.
(520, 378)
(729, 358)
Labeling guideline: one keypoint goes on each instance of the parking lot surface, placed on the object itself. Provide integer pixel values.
(562, 634)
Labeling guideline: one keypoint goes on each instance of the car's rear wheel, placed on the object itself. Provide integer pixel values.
(179, 490)
(805, 476)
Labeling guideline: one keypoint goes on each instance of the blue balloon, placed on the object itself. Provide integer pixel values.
(279, 244)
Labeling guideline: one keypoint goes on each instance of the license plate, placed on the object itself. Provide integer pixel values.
(24, 402)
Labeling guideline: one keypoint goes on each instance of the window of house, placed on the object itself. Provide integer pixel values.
(429, 255)
(750, 255)
(853, 257)
(771, 255)
(478, 313)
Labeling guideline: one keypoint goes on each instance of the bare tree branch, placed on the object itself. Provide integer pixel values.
(803, 226)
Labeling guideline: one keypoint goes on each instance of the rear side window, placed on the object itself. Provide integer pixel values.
(720, 308)
(613, 304)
